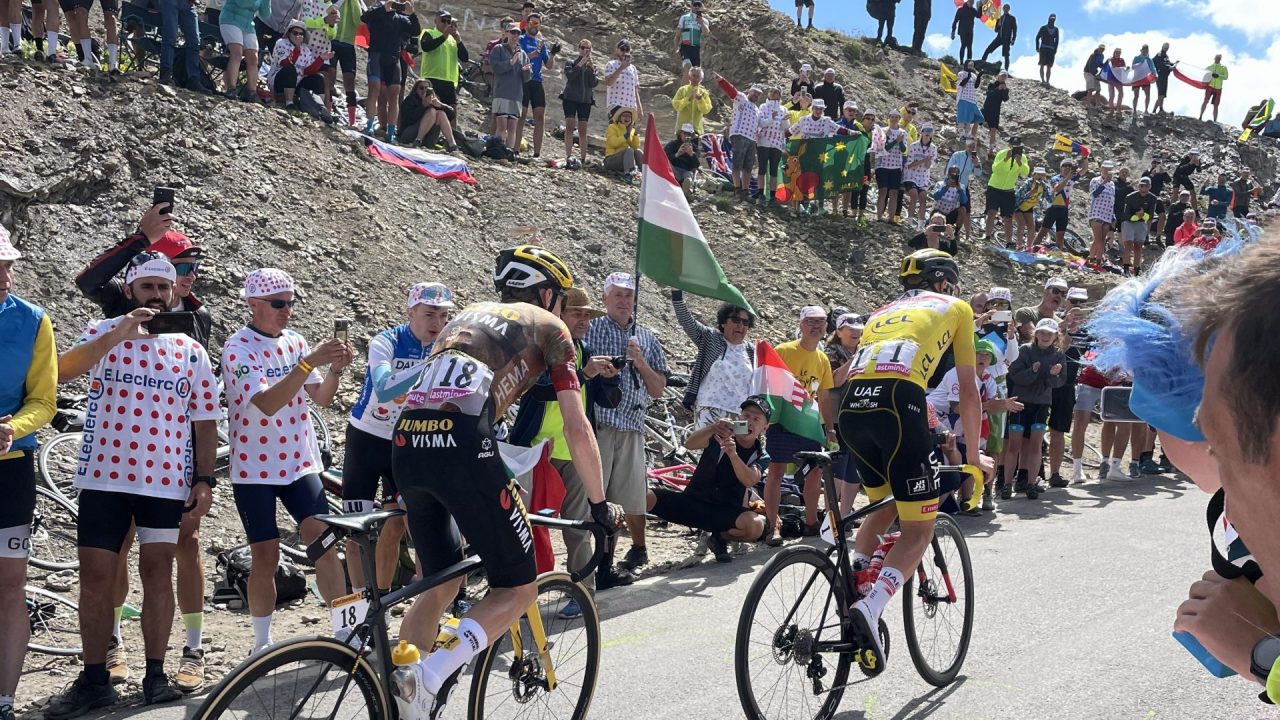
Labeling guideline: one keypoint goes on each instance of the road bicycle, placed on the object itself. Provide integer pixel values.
(55, 623)
(796, 641)
(664, 435)
(546, 665)
(53, 532)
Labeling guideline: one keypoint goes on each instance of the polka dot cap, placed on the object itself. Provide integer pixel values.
(7, 250)
(266, 281)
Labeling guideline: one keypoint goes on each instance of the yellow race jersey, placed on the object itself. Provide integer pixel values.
(906, 338)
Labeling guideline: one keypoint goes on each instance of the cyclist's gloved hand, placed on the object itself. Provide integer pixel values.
(607, 514)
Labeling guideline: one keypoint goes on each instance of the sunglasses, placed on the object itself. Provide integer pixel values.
(584, 47)
(185, 269)
(278, 304)
(297, 32)
(1057, 292)
(739, 320)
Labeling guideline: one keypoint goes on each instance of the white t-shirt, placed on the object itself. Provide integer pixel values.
(624, 92)
(728, 382)
(143, 397)
(276, 449)
(948, 391)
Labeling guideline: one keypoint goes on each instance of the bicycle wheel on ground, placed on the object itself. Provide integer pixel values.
(55, 623)
(937, 606)
(57, 463)
(510, 684)
(300, 678)
(1075, 244)
(53, 532)
(785, 657)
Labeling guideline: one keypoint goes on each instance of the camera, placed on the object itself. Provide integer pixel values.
(618, 362)
(939, 438)
(739, 427)
(554, 48)
(937, 228)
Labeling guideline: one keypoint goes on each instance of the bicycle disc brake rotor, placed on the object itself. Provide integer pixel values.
(785, 639)
(526, 678)
(929, 595)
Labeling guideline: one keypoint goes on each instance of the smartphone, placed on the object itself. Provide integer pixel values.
(167, 323)
(739, 427)
(1198, 651)
(1002, 316)
(937, 229)
(1115, 405)
(340, 329)
(162, 195)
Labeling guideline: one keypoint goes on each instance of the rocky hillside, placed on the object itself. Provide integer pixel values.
(262, 187)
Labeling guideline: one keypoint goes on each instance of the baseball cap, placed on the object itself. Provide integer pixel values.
(157, 266)
(444, 14)
(818, 103)
(7, 250)
(433, 294)
(266, 281)
(620, 279)
(1185, 192)
(1047, 325)
(812, 311)
(174, 245)
(755, 88)
(687, 127)
(850, 105)
(1108, 165)
(1078, 293)
(829, 70)
(1145, 181)
(895, 113)
(806, 67)
(758, 402)
(1015, 141)
(1000, 293)
(623, 44)
(1039, 171)
(926, 128)
(1055, 282)
(852, 320)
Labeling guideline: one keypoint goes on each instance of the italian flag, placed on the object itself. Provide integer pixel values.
(670, 248)
(790, 404)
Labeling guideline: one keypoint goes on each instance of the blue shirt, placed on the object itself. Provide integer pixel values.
(1221, 193)
(961, 159)
(529, 43)
(392, 355)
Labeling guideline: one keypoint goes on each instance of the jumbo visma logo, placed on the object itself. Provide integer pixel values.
(428, 433)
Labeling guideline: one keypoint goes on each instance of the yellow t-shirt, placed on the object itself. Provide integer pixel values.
(906, 338)
(553, 424)
(812, 368)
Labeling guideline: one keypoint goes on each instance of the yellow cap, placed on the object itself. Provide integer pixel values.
(405, 654)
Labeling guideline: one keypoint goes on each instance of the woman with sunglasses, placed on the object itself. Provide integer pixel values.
(580, 80)
(720, 378)
(296, 70)
(424, 118)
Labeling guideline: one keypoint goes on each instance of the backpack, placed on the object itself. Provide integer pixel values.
(472, 146)
(232, 567)
(497, 149)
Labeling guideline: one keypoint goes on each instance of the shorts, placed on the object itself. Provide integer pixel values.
(783, 445)
(1046, 57)
(1162, 84)
(505, 107)
(453, 483)
(622, 463)
(770, 159)
(302, 498)
(18, 478)
(1003, 201)
(1062, 409)
(383, 68)
(883, 423)
(1055, 217)
(345, 56)
(1133, 233)
(694, 512)
(804, 3)
(236, 35)
(953, 217)
(105, 518)
(1091, 82)
(692, 53)
(70, 5)
(744, 153)
(574, 109)
(1240, 211)
(535, 96)
(367, 460)
(1087, 398)
(888, 178)
(1031, 418)
(845, 468)
(1105, 224)
(1215, 96)
(908, 186)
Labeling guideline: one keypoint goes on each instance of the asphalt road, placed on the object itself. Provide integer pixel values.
(1075, 598)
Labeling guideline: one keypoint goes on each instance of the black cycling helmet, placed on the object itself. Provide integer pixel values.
(928, 266)
(530, 267)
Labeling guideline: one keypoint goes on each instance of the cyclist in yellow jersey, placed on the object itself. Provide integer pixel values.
(882, 420)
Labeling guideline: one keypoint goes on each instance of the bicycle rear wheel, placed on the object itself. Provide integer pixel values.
(783, 654)
(937, 624)
(55, 623)
(299, 679)
(507, 686)
(54, 544)
(57, 463)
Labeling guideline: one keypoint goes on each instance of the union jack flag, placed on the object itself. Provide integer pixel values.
(718, 155)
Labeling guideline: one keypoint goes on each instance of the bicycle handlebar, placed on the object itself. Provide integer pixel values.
(597, 532)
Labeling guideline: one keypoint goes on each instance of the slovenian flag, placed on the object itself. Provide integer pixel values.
(670, 247)
(433, 165)
(790, 403)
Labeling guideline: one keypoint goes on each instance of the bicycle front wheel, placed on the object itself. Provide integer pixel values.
(511, 684)
(305, 678)
(54, 544)
(55, 623)
(937, 606)
(790, 638)
(57, 463)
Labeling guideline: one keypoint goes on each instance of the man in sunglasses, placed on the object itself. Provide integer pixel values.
(1055, 291)
(100, 281)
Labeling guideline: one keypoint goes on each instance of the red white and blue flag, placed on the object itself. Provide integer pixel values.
(717, 154)
(1132, 76)
(433, 165)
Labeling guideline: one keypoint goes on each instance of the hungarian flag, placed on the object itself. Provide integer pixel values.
(670, 248)
(790, 403)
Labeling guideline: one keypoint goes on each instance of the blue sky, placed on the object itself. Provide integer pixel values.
(1247, 32)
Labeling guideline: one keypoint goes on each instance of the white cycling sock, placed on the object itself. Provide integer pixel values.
(4, 40)
(882, 592)
(261, 631)
(1115, 463)
(51, 42)
(466, 642)
(113, 57)
(1077, 465)
(87, 46)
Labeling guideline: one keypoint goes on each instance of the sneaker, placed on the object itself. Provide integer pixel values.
(6, 712)
(870, 657)
(1165, 465)
(1133, 469)
(570, 610)
(1115, 473)
(1057, 481)
(1034, 490)
(190, 675)
(807, 530)
(1077, 477)
(1150, 467)
(117, 668)
(636, 557)
(1019, 486)
(1103, 469)
(988, 503)
(719, 548)
(157, 689)
(612, 578)
(80, 698)
(1006, 492)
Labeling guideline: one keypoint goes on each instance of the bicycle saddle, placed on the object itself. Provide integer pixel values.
(358, 523)
(817, 457)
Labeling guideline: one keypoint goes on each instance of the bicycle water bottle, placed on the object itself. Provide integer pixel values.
(412, 699)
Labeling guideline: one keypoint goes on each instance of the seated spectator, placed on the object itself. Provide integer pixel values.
(235, 22)
(622, 144)
(692, 101)
(424, 120)
(683, 152)
(321, 20)
(951, 198)
(296, 70)
(720, 378)
(731, 464)
(938, 235)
